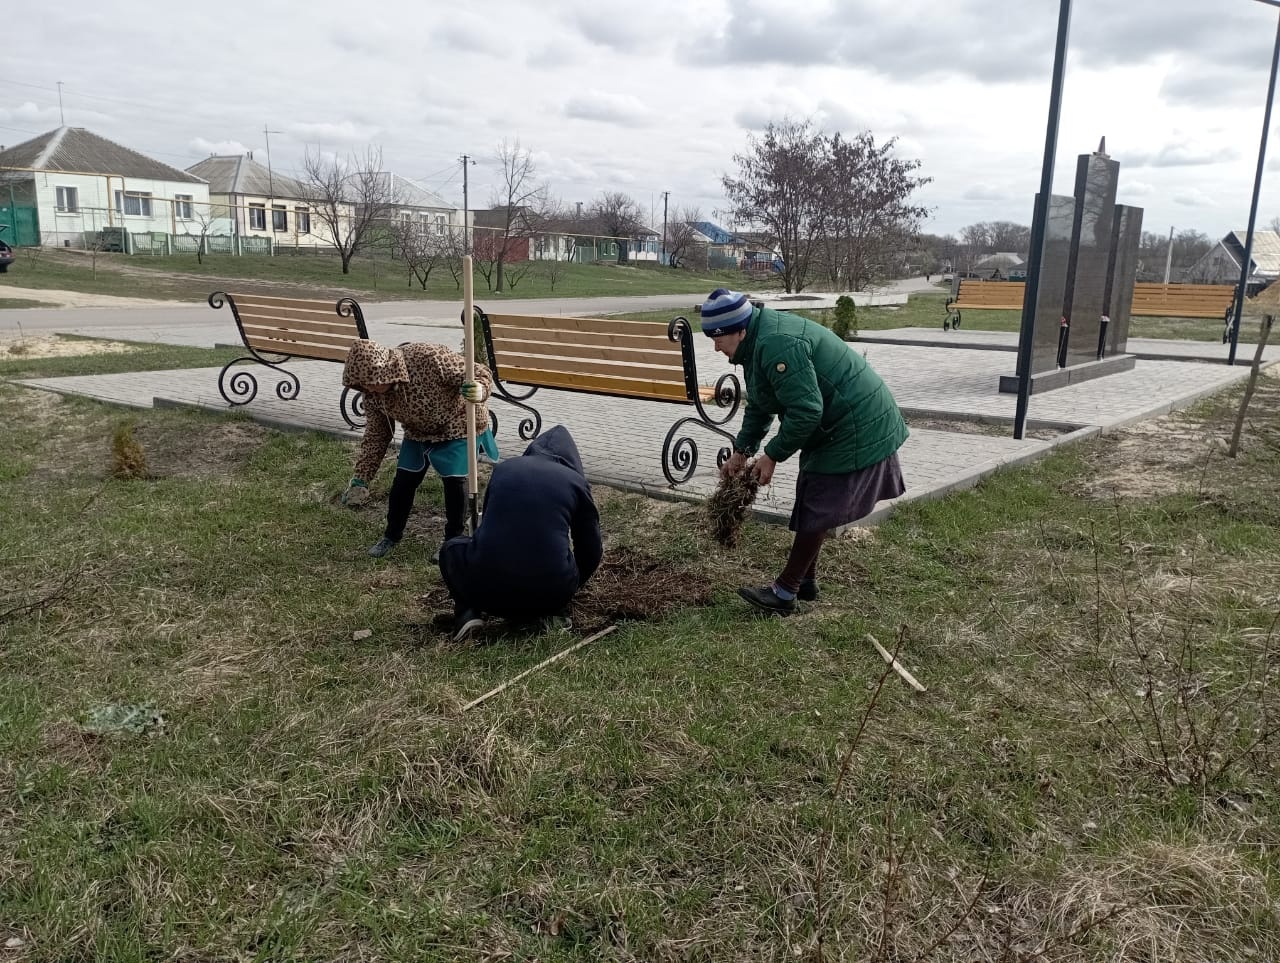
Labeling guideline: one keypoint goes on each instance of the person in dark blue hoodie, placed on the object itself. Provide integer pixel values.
(537, 544)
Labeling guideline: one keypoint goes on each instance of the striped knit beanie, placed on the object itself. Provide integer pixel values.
(725, 312)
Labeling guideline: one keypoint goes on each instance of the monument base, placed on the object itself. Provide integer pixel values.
(1061, 377)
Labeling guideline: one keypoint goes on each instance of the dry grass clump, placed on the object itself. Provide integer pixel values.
(728, 505)
(128, 461)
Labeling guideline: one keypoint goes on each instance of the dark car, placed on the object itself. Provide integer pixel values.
(6, 252)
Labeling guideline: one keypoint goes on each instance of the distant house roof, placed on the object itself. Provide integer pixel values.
(411, 195)
(714, 232)
(239, 174)
(74, 150)
(1002, 259)
(1265, 252)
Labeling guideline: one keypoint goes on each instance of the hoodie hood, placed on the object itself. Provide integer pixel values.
(369, 363)
(557, 444)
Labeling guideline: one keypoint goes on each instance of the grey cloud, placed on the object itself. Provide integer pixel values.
(1192, 198)
(606, 28)
(468, 38)
(984, 192)
(620, 109)
(1178, 155)
(966, 38)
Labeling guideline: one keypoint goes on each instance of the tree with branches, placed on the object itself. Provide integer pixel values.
(871, 219)
(681, 246)
(352, 198)
(521, 203)
(419, 248)
(618, 216)
(780, 185)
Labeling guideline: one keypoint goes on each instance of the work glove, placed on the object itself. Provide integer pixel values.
(474, 392)
(357, 493)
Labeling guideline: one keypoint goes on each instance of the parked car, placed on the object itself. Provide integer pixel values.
(6, 252)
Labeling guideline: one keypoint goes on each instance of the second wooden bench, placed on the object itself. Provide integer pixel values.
(644, 360)
(273, 330)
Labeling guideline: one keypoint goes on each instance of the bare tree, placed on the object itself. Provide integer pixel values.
(680, 235)
(780, 186)
(206, 218)
(618, 215)
(420, 248)
(872, 220)
(521, 202)
(350, 197)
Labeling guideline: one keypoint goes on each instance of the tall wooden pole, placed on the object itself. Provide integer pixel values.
(469, 353)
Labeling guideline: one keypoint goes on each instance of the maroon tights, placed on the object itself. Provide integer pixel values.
(802, 563)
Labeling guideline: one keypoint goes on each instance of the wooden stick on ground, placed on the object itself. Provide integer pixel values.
(895, 665)
(541, 665)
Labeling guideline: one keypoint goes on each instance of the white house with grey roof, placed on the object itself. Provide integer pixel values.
(256, 201)
(80, 183)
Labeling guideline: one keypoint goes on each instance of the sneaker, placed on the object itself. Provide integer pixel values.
(557, 623)
(383, 547)
(766, 599)
(465, 624)
(808, 591)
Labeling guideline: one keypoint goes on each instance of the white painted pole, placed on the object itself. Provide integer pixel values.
(1168, 258)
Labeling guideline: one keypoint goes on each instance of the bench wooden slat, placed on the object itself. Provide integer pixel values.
(625, 387)
(257, 322)
(598, 325)
(596, 352)
(288, 317)
(299, 304)
(254, 332)
(316, 351)
(652, 342)
(605, 369)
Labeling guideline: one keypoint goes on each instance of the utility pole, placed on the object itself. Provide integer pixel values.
(1168, 258)
(466, 232)
(271, 186)
(62, 119)
(665, 195)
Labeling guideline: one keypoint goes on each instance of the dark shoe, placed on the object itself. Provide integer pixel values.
(808, 591)
(383, 548)
(765, 598)
(465, 624)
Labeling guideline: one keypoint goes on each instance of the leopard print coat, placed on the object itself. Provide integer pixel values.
(424, 397)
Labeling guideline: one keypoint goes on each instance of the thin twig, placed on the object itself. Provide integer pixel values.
(541, 665)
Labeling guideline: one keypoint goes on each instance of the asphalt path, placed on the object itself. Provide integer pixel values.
(197, 324)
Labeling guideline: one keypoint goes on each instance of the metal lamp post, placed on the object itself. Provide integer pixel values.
(1038, 221)
(1257, 189)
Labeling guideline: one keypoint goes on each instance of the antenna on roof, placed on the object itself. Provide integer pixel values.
(61, 117)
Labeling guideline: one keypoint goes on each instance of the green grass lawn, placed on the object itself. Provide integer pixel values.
(184, 278)
(1091, 775)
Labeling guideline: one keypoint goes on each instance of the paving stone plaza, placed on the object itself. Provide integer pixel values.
(933, 375)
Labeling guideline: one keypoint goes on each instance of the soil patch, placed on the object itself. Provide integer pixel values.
(1149, 459)
(51, 346)
(627, 587)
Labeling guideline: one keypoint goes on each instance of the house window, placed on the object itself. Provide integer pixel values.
(279, 218)
(257, 217)
(302, 217)
(68, 199)
(440, 225)
(135, 203)
(182, 204)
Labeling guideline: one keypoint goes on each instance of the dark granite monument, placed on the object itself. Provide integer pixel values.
(1086, 274)
(1126, 235)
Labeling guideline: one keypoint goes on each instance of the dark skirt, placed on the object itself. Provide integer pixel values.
(824, 502)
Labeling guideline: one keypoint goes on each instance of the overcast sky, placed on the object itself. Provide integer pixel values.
(659, 95)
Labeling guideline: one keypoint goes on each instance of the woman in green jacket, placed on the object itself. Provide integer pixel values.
(832, 408)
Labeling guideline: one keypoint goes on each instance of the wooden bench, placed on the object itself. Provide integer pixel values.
(274, 330)
(982, 296)
(644, 360)
(1150, 300)
(1183, 300)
